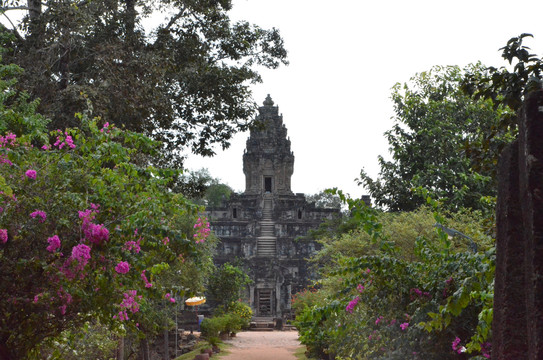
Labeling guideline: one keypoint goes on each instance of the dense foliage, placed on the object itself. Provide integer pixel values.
(226, 285)
(440, 141)
(86, 230)
(406, 290)
(176, 70)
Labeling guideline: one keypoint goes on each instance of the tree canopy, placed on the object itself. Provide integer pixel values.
(438, 142)
(184, 83)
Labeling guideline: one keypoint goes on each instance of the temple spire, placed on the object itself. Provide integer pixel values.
(268, 162)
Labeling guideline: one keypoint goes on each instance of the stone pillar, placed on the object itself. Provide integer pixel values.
(509, 332)
(531, 194)
(518, 300)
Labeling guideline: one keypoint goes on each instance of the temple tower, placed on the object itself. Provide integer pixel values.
(260, 227)
(268, 163)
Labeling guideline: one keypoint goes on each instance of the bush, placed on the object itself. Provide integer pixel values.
(239, 310)
(226, 324)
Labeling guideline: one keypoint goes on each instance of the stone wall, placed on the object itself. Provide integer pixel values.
(518, 300)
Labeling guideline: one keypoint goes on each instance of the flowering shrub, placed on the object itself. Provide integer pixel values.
(202, 230)
(386, 306)
(88, 214)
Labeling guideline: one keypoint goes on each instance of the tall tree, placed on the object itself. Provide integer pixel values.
(184, 83)
(437, 143)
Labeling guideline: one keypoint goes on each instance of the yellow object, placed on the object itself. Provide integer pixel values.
(194, 301)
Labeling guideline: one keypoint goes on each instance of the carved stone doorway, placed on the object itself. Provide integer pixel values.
(264, 302)
(268, 184)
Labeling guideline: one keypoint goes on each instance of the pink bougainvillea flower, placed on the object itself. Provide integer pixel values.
(123, 267)
(132, 246)
(81, 253)
(202, 230)
(3, 236)
(38, 213)
(349, 308)
(129, 303)
(54, 243)
(95, 233)
(145, 280)
(70, 142)
(404, 326)
(31, 174)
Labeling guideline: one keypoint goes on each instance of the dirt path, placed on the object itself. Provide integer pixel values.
(263, 345)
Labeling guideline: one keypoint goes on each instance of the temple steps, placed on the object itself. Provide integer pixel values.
(266, 243)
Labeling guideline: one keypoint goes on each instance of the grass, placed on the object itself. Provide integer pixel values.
(204, 345)
(300, 353)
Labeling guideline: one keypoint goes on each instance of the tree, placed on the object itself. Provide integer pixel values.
(438, 143)
(184, 83)
(504, 86)
(325, 199)
(226, 284)
(85, 232)
(201, 188)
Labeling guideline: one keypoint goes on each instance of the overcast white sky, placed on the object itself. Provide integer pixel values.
(345, 55)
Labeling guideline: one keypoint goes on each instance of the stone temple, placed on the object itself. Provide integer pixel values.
(260, 228)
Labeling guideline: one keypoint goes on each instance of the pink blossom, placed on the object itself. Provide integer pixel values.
(349, 308)
(166, 240)
(404, 326)
(169, 297)
(455, 346)
(96, 234)
(70, 142)
(31, 174)
(129, 303)
(485, 350)
(202, 230)
(3, 236)
(360, 288)
(132, 246)
(54, 243)
(39, 213)
(145, 280)
(81, 253)
(123, 267)
(378, 320)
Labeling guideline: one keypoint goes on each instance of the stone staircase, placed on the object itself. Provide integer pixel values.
(262, 324)
(266, 242)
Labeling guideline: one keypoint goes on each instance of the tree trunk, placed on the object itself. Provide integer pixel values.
(120, 349)
(130, 18)
(34, 14)
(34, 10)
(144, 350)
(166, 348)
